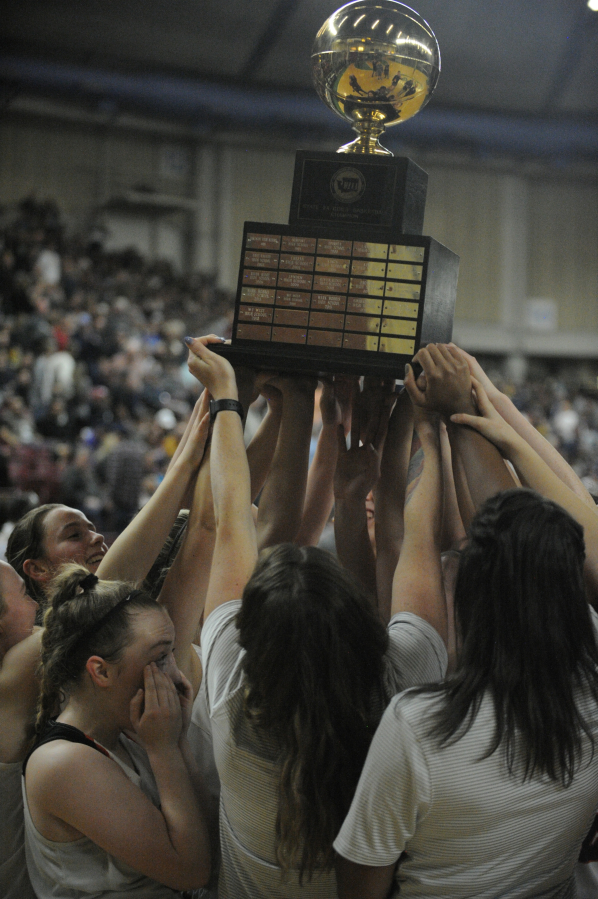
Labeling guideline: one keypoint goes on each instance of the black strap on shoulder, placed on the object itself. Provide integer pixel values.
(56, 730)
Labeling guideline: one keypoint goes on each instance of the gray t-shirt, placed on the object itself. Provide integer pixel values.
(246, 763)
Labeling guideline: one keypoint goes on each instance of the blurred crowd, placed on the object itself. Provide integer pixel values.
(94, 387)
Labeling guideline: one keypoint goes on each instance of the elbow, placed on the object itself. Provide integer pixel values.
(192, 876)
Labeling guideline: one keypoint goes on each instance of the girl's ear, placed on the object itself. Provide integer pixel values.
(99, 671)
(37, 570)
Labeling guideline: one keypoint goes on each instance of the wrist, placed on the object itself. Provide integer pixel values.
(225, 392)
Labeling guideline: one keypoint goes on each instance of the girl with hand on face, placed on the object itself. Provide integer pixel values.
(106, 814)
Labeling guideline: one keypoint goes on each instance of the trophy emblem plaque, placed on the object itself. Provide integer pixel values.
(350, 284)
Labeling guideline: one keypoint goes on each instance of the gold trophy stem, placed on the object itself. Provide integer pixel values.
(367, 142)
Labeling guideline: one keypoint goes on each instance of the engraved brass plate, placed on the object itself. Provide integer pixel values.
(362, 323)
(257, 295)
(295, 280)
(329, 301)
(255, 313)
(404, 310)
(325, 338)
(332, 264)
(298, 244)
(326, 320)
(263, 241)
(360, 342)
(404, 291)
(370, 250)
(402, 253)
(292, 298)
(328, 282)
(334, 247)
(364, 305)
(298, 317)
(369, 269)
(296, 263)
(369, 288)
(261, 260)
(404, 271)
(289, 335)
(397, 345)
(253, 332)
(256, 276)
(396, 326)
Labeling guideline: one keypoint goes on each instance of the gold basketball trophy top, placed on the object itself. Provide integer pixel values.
(375, 63)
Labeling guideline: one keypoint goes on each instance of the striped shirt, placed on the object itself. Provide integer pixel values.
(246, 764)
(467, 826)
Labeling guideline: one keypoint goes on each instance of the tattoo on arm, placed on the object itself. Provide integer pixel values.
(416, 467)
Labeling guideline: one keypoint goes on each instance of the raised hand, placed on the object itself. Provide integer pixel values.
(213, 371)
(448, 381)
(489, 422)
(156, 715)
(357, 469)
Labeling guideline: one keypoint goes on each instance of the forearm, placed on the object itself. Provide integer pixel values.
(453, 531)
(185, 587)
(483, 466)
(182, 815)
(135, 550)
(543, 448)
(417, 584)
(319, 497)
(389, 497)
(352, 538)
(235, 549)
(260, 451)
(281, 503)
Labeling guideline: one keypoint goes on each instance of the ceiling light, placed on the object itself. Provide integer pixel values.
(593, 4)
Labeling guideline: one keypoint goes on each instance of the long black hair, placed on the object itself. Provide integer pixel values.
(526, 636)
(314, 664)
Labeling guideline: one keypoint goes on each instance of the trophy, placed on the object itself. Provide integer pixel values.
(350, 284)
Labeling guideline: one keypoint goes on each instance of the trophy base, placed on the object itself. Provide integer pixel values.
(318, 300)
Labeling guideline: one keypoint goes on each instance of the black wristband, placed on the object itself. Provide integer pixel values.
(217, 406)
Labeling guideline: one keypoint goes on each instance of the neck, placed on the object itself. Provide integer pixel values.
(98, 723)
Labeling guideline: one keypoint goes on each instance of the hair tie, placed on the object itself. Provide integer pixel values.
(89, 581)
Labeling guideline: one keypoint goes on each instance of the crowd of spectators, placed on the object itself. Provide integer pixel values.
(94, 388)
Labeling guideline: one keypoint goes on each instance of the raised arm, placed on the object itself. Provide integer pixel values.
(335, 408)
(417, 584)
(534, 472)
(134, 551)
(185, 586)
(357, 472)
(511, 414)
(281, 503)
(389, 499)
(235, 548)
(448, 391)
(260, 451)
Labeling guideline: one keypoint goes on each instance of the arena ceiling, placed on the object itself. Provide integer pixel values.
(523, 72)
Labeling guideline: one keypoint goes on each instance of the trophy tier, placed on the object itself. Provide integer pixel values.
(318, 300)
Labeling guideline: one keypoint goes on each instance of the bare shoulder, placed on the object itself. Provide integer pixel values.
(65, 765)
(19, 690)
(20, 663)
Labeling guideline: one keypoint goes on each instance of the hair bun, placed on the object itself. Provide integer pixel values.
(89, 582)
